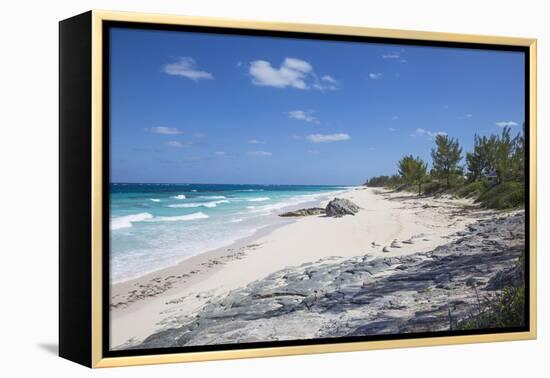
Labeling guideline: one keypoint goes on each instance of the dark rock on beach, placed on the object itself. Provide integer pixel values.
(339, 207)
(336, 208)
(304, 212)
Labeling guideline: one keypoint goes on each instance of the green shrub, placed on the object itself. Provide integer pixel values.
(506, 310)
(507, 195)
(384, 181)
(474, 189)
(406, 188)
(434, 187)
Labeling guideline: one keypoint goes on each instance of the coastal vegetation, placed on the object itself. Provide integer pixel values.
(506, 308)
(493, 173)
(413, 171)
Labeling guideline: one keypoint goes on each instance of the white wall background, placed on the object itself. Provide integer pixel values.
(28, 190)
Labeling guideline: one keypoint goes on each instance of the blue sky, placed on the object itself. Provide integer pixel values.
(206, 108)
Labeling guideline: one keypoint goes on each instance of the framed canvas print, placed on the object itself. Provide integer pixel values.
(235, 189)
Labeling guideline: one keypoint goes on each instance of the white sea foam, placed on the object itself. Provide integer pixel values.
(180, 196)
(155, 199)
(198, 204)
(127, 220)
(236, 220)
(177, 218)
(258, 199)
(213, 197)
(160, 254)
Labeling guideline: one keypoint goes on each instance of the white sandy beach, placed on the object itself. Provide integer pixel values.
(157, 300)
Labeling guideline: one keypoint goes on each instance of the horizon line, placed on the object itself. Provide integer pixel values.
(206, 183)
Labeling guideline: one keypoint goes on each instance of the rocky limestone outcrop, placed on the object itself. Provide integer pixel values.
(339, 207)
(364, 295)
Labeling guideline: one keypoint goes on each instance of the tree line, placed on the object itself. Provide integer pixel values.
(495, 160)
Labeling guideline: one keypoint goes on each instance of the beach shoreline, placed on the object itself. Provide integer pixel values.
(197, 260)
(264, 209)
(131, 296)
(171, 295)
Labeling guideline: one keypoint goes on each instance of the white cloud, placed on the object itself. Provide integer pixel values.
(395, 118)
(290, 74)
(424, 132)
(296, 137)
(220, 153)
(506, 123)
(255, 141)
(177, 144)
(391, 129)
(293, 73)
(395, 56)
(165, 130)
(466, 116)
(259, 153)
(327, 83)
(323, 87)
(375, 75)
(329, 79)
(298, 64)
(303, 115)
(187, 67)
(327, 138)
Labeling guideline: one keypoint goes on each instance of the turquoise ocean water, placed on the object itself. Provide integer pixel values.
(158, 225)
